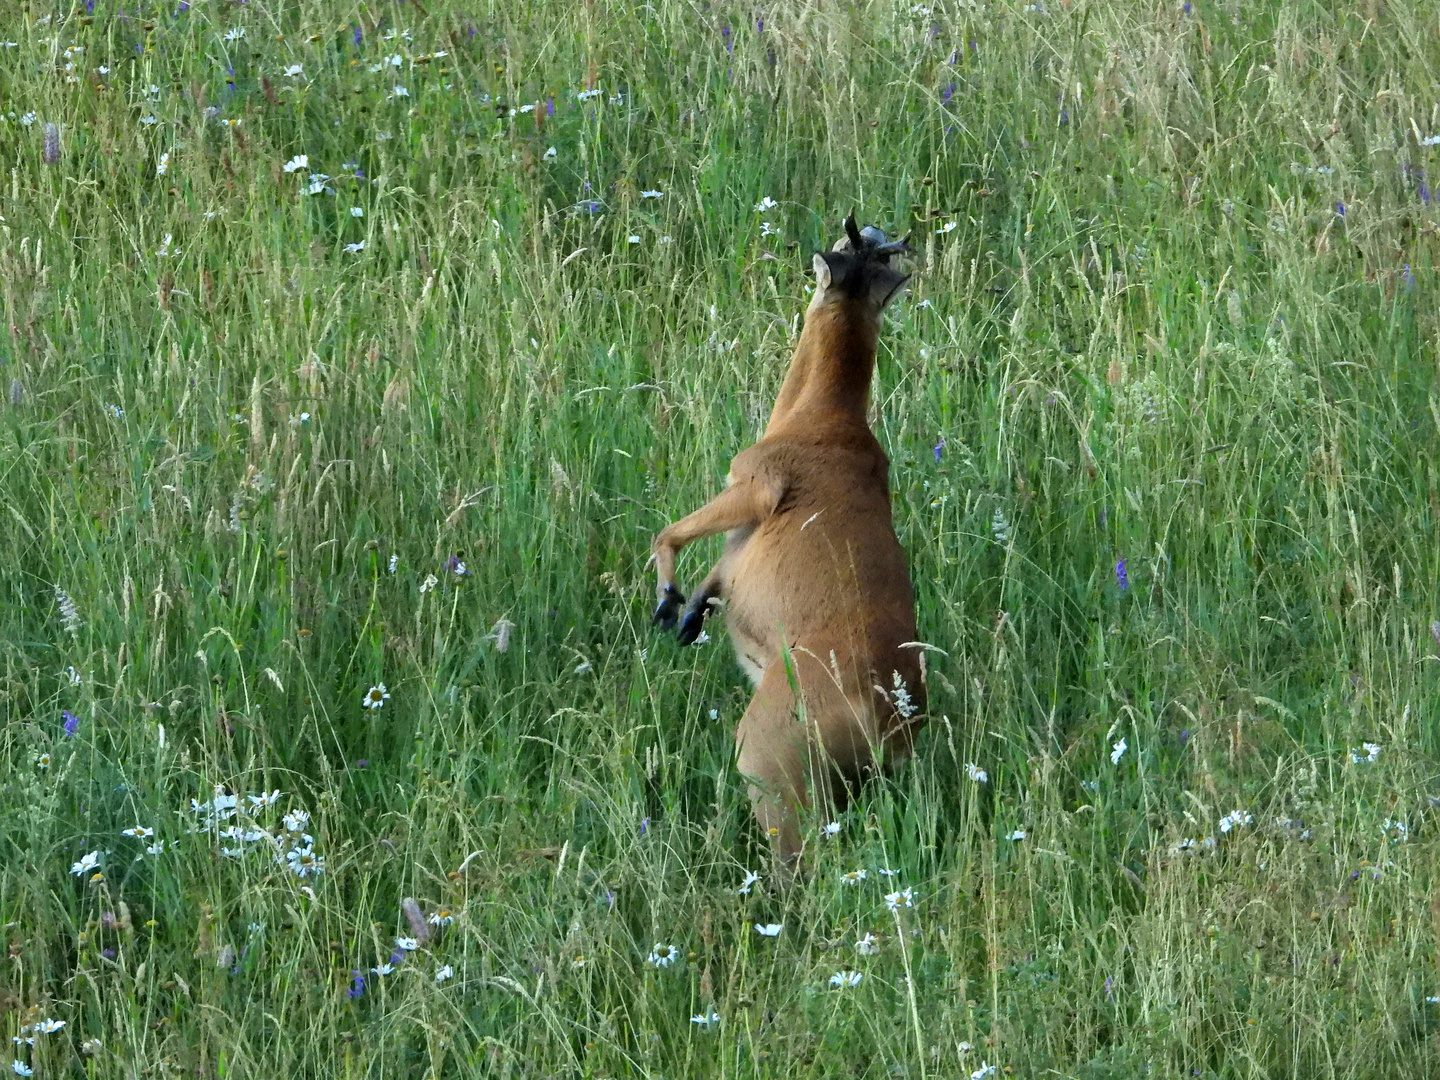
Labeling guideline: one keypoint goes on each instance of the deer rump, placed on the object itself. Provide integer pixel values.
(817, 597)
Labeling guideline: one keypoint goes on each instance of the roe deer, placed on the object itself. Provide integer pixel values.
(817, 596)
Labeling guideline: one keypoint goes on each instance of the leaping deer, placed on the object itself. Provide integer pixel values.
(818, 601)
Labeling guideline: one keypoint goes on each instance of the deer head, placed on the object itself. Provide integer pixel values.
(857, 270)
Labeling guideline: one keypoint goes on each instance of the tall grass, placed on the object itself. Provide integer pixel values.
(1163, 417)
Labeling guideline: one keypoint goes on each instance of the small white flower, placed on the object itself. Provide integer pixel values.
(140, 832)
(526, 108)
(587, 95)
(868, 945)
(102, 70)
(293, 70)
(49, 1027)
(19, 1068)
(235, 33)
(1367, 753)
(86, 864)
(72, 675)
(400, 91)
(28, 119)
(304, 862)
(896, 900)
(149, 121)
(766, 229)
(157, 848)
(769, 929)
(975, 773)
(663, 955)
(983, 1071)
(43, 761)
(1117, 751)
(264, 799)
(852, 877)
(832, 829)
(949, 226)
(887, 872)
(446, 972)
(1018, 834)
(295, 821)
(846, 979)
(765, 204)
(551, 154)
(408, 944)
(383, 969)
(1430, 140)
(354, 249)
(706, 1020)
(429, 583)
(652, 194)
(375, 697)
(1234, 819)
(394, 562)
(357, 211)
(441, 917)
(317, 184)
(299, 161)
(751, 878)
(633, 239)
(395, 61)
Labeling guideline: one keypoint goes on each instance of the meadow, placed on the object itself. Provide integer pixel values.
(353, 353)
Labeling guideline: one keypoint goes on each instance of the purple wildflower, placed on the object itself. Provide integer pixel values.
(938, 448)
(359, 37)
(550, 106)
(109, 954)
(1185, 7)
(357, 985)
(397, 957)
(1184, 735)
(362, 763)
(1121, 577)
(644, 826)
(947, 93)
(1407, 277)
(1109, 988)
(1339, 209)
(72, 723)
(725, 33)
(759, 26)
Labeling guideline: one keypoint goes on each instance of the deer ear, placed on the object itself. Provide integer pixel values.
(822, 273)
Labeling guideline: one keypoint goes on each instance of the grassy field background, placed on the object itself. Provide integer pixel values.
(1163, 415)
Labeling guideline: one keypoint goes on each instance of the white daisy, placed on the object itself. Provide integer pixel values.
(375, 697)
(86, 864)
(868, 945)
(769, 929)
(896, 900)
(846, 979)
(663, 955)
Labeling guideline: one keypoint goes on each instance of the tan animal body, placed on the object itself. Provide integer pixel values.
(818, 601)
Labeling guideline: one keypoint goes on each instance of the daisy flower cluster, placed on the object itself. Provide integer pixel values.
(250, 826)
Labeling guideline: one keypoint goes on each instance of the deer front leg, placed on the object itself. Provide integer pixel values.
(740, 505)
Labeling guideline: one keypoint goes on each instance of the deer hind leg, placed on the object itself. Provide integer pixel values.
(783, 757)
(739, 506)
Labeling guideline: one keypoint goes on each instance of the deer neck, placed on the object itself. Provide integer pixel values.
(832, 367)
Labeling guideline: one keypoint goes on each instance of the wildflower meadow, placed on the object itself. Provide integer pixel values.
(353, 353)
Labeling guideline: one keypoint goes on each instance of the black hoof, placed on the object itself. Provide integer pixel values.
(666, 610)
(693, 622)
